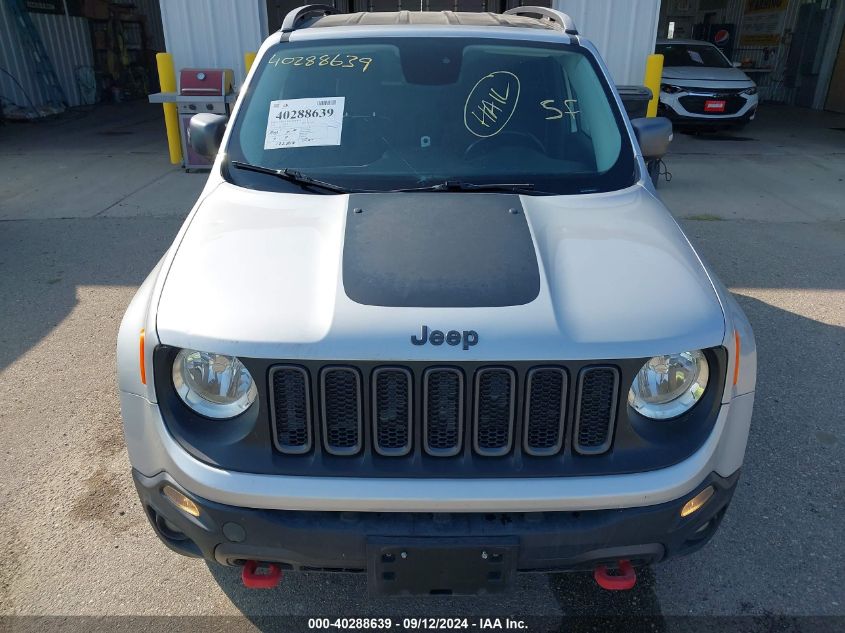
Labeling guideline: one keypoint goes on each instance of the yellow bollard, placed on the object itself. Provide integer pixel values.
(167, 78)
(653, 76)
(249, 58)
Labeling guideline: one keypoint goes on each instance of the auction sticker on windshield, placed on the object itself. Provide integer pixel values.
(304, 122)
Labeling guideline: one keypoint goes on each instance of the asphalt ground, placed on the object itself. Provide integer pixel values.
(88, 203)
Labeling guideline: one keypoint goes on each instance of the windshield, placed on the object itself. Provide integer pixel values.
(702, 55)
(388, 113)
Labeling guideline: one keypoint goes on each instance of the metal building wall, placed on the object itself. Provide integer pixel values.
(155, 31)
(624, 31)
(213, 33)
(734, 12)
(13, 62)
(68, 44)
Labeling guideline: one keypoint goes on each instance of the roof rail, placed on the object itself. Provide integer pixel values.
(296, 16)
(561, 18)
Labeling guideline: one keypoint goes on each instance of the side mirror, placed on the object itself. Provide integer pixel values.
(205, 132)
(737, 64)
(653, 135)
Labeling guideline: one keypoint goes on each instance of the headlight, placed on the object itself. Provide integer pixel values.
(669, 386)
(670, 89)
(213, 385)
(750, 91)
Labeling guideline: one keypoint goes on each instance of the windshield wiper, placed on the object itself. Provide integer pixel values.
(291, 175)
(458, 185)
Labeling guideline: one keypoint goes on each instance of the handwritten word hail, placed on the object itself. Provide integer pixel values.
(491, 103)
(487, 112)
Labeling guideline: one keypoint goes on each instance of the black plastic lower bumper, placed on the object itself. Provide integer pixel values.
(338, 541)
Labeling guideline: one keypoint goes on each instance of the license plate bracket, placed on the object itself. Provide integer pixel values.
(715, 105)
(440, 565)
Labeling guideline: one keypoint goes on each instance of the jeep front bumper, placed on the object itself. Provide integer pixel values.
(337, 541)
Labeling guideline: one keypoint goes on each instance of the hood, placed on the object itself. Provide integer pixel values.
(286, 276)
(714, 77)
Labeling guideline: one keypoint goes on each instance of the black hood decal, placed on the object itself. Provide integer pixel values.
(439, 250)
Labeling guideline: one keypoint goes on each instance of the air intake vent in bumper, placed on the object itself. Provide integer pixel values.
(392, 411)
(545, 409)
(494, 411)
(443, 411)
(340, 397)
(596, 410)
(290, 405)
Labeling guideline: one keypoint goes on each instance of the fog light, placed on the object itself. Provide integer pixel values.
(694, 504)
(181, 501)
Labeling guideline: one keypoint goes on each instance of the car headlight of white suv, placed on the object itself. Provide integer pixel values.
(213, 385)
(669, 386)
(670, 89)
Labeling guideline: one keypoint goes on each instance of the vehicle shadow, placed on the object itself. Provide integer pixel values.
(47, 263)
(58, 176)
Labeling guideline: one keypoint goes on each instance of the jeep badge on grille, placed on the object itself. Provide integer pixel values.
(468, 338)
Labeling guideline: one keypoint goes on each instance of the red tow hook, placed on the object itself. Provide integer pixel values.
(626, 579)
(267, 580)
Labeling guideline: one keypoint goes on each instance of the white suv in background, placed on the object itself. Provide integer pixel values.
(701, 87)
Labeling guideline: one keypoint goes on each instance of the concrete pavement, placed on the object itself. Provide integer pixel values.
(789, 166)
(88, 205)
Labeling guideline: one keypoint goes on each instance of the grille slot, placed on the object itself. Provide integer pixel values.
(290, 404)
(494, 411)
(545, 410)
(443, 411)
(392, 411)
(341, 410)
(596, 413)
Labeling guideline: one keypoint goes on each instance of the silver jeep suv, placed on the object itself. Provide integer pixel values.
(428, 320)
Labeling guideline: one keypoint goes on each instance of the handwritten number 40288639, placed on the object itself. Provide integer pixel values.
(339, 60)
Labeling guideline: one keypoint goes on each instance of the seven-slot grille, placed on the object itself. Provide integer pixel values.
(443, 393)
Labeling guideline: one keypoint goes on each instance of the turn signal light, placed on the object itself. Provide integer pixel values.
(181, 501)
(143, 362)
(737, 350)
(694, 504)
